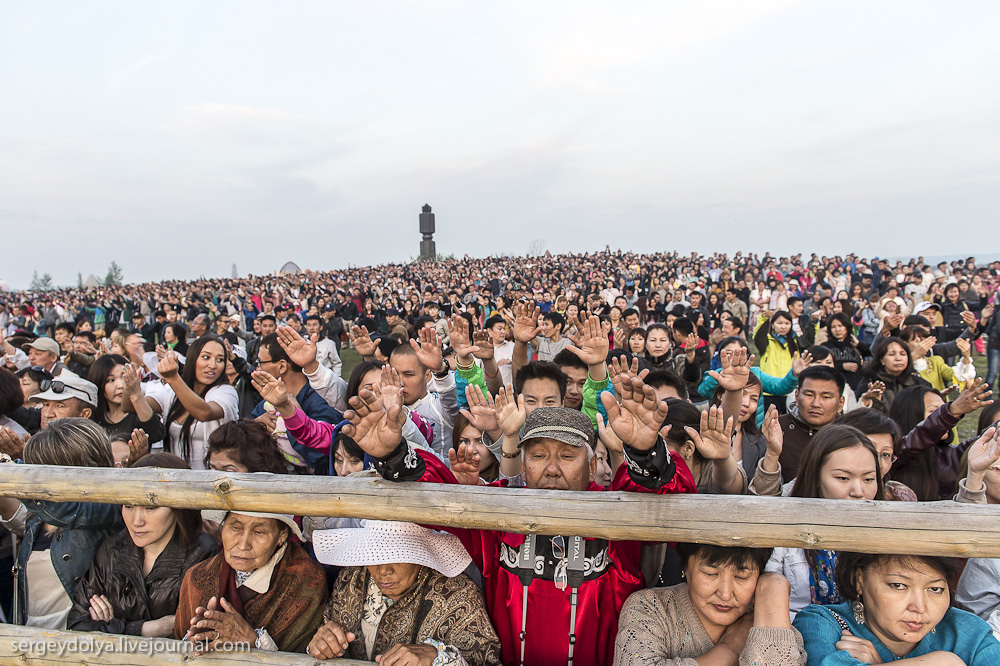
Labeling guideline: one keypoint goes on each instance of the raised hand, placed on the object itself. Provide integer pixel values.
(985, 452)
(270, 388)
(376, 429)
(691, 346)
(922, 347)
(132, 380)
(735, 370)
(429, 349)
(509, 411)
(302, 352)
(168, 367)
(526, 326)
(389, 389)
(459, 338)
(971, 399)
(482, 345)
(875, 391)
(800, 363)
(608, 437)
(362, 341)
(771, 430)
(464, 464)
(592, 347)
(138, 445)
(965, 348)
(714, 442)
(969, 318)
(637, 421)
(11, 443)
(480, 414)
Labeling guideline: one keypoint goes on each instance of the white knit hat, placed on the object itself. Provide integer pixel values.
(391, 542)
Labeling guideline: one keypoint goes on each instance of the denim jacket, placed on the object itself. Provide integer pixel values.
(83, 526)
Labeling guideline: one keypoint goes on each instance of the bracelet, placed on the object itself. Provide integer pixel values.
(493, 375)
(465, 367)
(509, 455)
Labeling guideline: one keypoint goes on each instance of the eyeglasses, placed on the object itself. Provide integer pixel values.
(260, 362)
(888, 457)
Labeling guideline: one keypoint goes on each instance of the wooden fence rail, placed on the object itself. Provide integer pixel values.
(28, 646)
(929, 528)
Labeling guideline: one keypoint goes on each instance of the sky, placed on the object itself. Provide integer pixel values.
(178, 138)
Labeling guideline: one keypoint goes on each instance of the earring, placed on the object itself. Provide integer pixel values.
(859, 612)
(683, 575)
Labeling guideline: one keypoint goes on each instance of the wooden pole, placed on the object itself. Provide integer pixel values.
(927, 528)
(29, 646)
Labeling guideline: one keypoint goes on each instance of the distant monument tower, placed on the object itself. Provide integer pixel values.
(428, 250)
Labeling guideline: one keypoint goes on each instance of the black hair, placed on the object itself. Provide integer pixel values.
(360, 370)
(267, 317)
(792, 300)
(988, 417)
(844, 320)
(851, 565)
(277, 352)
(555, 319)
(824, 443)
(721, 556)
(872, 422)
(879, 351)
(66, 326)
(541, 370)
(666, 378)
(350, 447)
(567, 359)
(630, 311)
(822, 373)
(493, 321)
(188, 377)
(41, 377)
(920, 474)
(387, 343)
(98, 376)
(11, 396)
(819, 352)
(683, 326)
(89, 335)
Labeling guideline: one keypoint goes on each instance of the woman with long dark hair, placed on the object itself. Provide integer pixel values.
(840, 463)
(195, 400)
(892, 365)
(848, 354)
(117, 382)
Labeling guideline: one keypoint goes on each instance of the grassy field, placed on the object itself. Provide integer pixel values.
(966, 427)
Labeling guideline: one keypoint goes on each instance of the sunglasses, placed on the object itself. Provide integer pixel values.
(59, 387)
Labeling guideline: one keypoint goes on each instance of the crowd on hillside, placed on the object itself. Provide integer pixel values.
(838, 378)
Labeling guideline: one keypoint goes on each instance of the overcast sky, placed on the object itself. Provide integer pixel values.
(180, 137)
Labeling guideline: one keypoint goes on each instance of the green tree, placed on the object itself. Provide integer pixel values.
(43, 283)
(115, 275)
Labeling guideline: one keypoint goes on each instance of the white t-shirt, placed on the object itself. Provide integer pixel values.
(505, 351)
(223, 395)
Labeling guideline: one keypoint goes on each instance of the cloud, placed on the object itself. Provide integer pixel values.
(119, 79)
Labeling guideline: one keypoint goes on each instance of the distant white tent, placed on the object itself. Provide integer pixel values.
(291, 268)
(91, 282)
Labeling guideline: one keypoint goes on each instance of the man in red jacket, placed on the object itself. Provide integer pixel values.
(553, 600)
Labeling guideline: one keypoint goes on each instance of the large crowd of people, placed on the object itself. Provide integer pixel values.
(838, 378)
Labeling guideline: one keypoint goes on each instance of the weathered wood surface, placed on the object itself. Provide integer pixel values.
(28, 646)
(930, 528)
